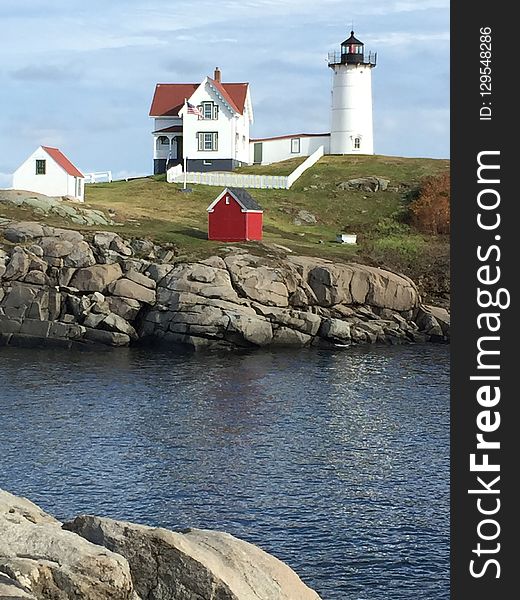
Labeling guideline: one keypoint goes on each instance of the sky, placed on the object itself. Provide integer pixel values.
(81, 75)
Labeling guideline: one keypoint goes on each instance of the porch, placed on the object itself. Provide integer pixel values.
(168, 148)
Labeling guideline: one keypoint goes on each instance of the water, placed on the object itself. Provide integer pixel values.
(337, 462)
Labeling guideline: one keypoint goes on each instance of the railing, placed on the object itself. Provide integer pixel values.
(306, 164)
(338, 58)
(99, 176)
(263, 182)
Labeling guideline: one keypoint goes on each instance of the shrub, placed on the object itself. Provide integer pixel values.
(430, 211)
(391, 226)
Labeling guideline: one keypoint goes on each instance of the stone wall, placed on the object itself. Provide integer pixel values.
(57, 286)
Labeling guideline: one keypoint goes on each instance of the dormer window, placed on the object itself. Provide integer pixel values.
(209, 111)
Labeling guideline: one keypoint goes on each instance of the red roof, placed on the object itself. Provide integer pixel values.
(63, 161)
(168, 98)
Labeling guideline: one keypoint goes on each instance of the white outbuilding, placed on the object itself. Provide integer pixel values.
(48, 171)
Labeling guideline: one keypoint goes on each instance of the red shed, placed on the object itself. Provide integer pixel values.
(235, 217)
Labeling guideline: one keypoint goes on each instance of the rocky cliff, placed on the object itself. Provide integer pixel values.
(60, 286)
(94, 558)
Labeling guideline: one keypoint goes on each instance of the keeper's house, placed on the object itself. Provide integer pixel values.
(207, 122)
(235, 216)
(48, 171)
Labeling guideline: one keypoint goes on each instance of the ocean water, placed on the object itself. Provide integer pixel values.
(337, 462)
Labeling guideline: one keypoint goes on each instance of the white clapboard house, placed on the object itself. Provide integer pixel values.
(48, 171)
(207, 123)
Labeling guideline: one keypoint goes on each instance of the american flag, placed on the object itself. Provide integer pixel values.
(193, 110)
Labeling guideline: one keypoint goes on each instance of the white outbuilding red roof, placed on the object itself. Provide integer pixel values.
(63, 161)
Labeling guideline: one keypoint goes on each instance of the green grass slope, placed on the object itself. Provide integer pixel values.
(150, 207)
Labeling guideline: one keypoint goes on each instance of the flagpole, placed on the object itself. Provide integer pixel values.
(185, 158)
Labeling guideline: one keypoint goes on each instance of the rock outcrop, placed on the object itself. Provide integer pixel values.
(41, 560)
(94, 558)
(57, 286)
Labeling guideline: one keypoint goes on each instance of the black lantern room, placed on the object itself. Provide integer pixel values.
(352, 53)
(352, 50)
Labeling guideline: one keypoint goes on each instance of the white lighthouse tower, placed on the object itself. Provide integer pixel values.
(351, 123)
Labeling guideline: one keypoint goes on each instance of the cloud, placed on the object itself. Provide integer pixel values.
(86, 82)
(45, 73)
(407, 38)
(6, 180)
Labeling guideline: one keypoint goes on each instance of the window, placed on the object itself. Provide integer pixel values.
(40, 167)
(209, 111)
(295, 146)
(164, 140)
(357, 143)
(207, 141)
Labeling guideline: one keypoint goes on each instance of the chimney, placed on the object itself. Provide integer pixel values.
(218, 75)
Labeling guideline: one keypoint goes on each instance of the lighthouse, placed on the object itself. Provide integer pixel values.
(351, 118)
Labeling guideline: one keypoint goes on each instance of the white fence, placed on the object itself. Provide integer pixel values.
(99, 176)
(306, 164)
(264, 182)
(173, 173)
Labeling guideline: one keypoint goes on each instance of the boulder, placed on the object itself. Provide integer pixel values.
(23, 231)
(96, 278)
(103, 239)
(21, 295)
(56, 248)
(18, 265)
(335, 330)
(109, 338)
(304, 217)
(248, 330)
(284, 336)
(10, 589)
(194, 563)
(124, 307)
(126, 288)
(80, 256)
(141, 279)
(36, 277)
(119, 245)
(142, 247)
(71, 235)
(257, 279)
(365, 184)
(158, 271)
(442, 316)
(47, 562)
(113, 322)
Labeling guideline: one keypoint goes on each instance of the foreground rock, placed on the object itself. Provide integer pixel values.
(38, 559)
(57, 286)
(194, 563)
(93, 558)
